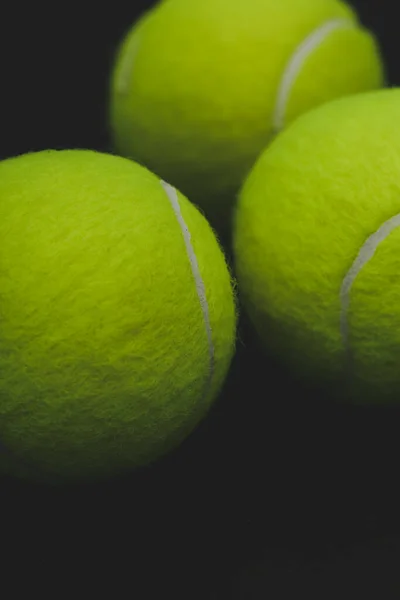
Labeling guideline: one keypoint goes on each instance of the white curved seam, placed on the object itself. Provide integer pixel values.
(123, 80)
(365, 255)
(297, 61)
(200, 287)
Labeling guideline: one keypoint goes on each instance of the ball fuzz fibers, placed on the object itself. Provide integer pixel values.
(317, 244)
(117, 318)
(201, 87)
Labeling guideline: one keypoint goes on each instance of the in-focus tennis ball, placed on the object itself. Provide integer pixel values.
(117, 318)
(201, 87)
(317, 243)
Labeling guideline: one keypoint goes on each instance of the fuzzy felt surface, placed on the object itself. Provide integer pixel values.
(317, 245)
(196, 85)
(104, 352)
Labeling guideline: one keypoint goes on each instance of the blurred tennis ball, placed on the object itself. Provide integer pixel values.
(200, 87)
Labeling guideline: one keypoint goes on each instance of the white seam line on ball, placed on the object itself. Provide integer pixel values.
(126, 68)
(365, 255)
(297, 61)
(200, 287)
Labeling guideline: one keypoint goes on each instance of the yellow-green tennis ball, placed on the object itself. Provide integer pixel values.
(317, 243)
(201, 86)
(117, 317)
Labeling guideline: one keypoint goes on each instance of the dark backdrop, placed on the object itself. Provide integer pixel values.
(278, 494)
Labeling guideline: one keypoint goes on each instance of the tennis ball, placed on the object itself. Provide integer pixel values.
(117, 317)
(317, 247)
(200, 88)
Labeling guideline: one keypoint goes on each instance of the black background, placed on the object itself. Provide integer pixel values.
(279, 493)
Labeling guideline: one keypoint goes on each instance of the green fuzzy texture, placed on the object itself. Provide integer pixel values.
(310, 204)
(195, 86)
(104, 354)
